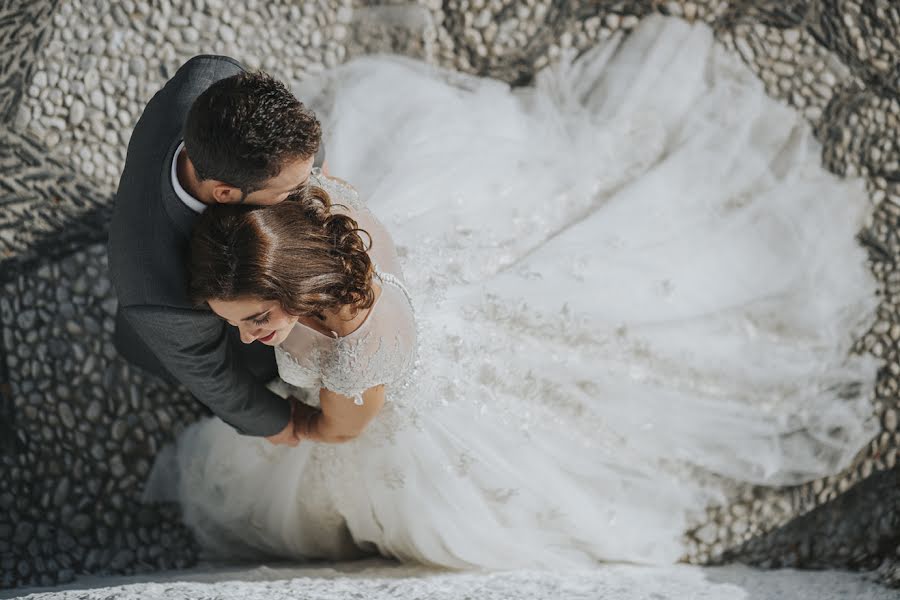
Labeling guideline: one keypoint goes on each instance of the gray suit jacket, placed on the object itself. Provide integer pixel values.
(157, 326)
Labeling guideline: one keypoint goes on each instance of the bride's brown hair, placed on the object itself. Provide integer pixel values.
(298, 253)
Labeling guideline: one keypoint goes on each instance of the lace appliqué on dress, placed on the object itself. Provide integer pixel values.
(296, 374)
(361, 363)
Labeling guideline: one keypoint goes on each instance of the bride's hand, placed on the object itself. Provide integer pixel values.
(304, 419)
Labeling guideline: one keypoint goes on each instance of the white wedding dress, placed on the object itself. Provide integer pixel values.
(614, 294)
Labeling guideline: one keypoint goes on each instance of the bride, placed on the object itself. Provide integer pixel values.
(548, 326)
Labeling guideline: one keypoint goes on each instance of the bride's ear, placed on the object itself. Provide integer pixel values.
(226, 194)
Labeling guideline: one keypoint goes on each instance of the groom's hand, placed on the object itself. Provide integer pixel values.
(286, 436)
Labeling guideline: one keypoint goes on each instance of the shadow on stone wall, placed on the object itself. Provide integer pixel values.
(84, 430)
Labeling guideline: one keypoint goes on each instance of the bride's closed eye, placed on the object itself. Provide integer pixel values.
(258, 322)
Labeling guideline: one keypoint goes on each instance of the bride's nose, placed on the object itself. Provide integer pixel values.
(246, 336)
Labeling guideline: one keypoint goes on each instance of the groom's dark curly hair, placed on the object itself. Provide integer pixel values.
(244, 129)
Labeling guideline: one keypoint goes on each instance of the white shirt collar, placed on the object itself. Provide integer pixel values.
(189, 201)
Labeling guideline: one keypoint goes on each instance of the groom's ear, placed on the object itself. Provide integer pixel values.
(226, 194)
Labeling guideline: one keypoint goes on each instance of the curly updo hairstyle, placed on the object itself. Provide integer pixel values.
(244, 129)
(298, 253)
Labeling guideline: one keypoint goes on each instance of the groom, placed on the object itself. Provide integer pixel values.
(214, 134)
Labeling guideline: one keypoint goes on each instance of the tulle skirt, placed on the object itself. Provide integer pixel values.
(636, 288)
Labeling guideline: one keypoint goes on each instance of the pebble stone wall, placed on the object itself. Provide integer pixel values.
(79, 428)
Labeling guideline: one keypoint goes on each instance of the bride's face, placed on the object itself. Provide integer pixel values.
(262, 320)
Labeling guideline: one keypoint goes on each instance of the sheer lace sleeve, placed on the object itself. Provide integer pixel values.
(380, 352)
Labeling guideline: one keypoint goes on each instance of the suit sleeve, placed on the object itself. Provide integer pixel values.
(194, 347)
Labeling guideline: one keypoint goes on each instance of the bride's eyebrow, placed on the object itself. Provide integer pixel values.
(257, 315)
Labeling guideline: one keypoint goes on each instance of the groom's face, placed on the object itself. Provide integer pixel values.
(292, 177)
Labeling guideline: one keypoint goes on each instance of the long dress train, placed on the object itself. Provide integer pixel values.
(609, 296)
